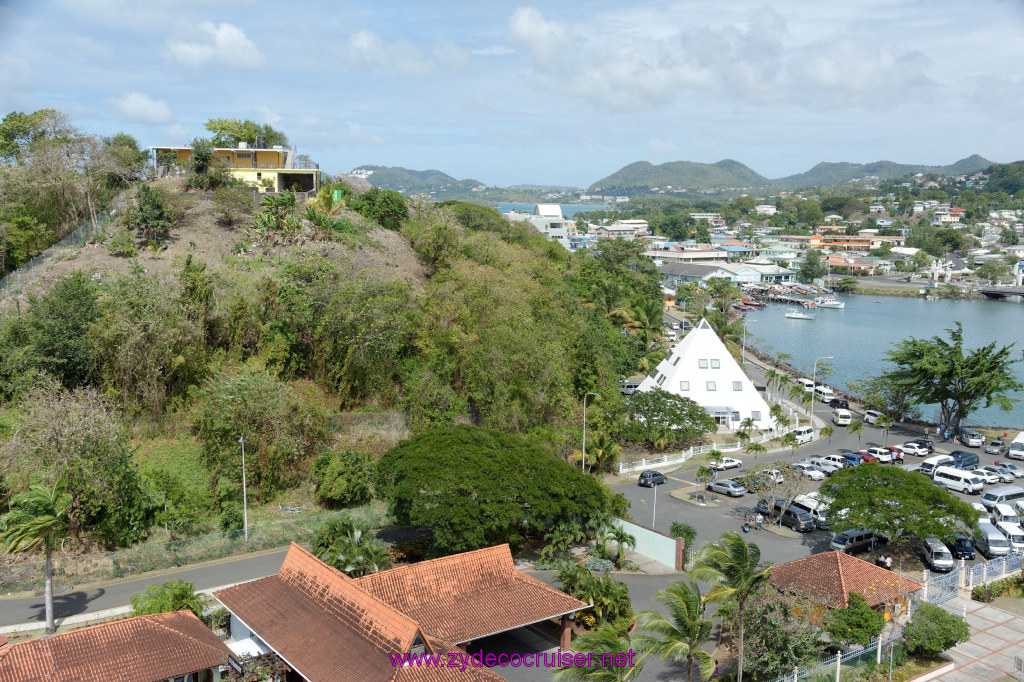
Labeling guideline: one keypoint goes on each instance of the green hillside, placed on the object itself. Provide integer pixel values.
(825, 173)
(681, 174)
(407, 181)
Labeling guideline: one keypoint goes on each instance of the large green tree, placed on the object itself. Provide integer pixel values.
(855, 623)
(901, 505)
(228, 132)
(812, 267)
(960, 381)
(678, 638)
(58, 328)
(467, 485)
(38, 518)
(654, 411)
(734, 569)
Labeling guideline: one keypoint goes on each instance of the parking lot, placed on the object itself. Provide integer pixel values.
(726, 513)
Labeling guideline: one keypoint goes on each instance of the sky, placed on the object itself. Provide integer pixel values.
(559, 93)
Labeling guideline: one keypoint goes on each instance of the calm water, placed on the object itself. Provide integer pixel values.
(568, 210)
(860, 335)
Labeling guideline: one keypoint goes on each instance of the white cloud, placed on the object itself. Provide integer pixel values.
(494, 51)
(544, 40)
(355, 134)
(366, 48)
(223, 43)
(139, 107)
(175, 134)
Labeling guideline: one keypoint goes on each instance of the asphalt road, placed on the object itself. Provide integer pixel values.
(14, 611)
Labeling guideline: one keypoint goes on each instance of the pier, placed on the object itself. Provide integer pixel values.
(1001, 292)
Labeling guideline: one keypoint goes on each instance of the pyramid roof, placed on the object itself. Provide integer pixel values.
(701, 368)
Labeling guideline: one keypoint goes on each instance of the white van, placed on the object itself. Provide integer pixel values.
(1014, 535)
(813, 507)
(929, 465)
(825, 393)
(629, 386)
(1008, 494)
(804, 434)
(938, 555)
(990, 541)
(841, 417)
(958, 480)
(1004, 513)
(670, 336)
(806, 383)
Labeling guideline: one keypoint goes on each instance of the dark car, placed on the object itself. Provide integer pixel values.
(925, 443)
(996, 447)
(839, 402)
(649, 479)
(961, 547)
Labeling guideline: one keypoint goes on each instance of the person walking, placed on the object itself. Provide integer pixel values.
(715, 674)
(759, 520)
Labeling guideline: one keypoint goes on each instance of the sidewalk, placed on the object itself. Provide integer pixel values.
(996, 637)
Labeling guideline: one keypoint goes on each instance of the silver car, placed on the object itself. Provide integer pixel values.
(727, 487)
(972, 438)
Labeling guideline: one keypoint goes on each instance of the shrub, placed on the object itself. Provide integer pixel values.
(856, 623)
(231, 519)
(385, 206)
(932, 630)
(681, 529)
(233, 204)
(150, 218)
(343, 478)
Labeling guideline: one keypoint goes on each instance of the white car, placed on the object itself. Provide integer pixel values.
(871, 416)
(883, 455)
(1013, 469)
(912, 448)
(810, 471)
(987, 477)
(725, 463)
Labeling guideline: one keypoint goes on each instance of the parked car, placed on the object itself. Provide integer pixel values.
(914, 448)
(960, 547)
(871, 416)
(926, 443)
(1003, 473)
(883, 455)
(996, 447)
(810, 471)
(940, 484)
(853, 458)
(725, 463)
(1012, 468)
(971, 438)
(825, 465)
(839, 402)
(868, 458)
(897, 453)
(727, 487)
(987, 477)
(649, 479)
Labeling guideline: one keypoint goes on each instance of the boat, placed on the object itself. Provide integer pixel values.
(752, 303)
(795, 314)
(740, 306)
(829, 302)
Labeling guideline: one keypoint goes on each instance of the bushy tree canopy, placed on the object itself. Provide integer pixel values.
(228, 132)
(477, 487)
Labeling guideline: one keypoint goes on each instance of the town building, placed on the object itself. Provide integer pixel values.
(548, 220)
(164, 646)
(274, 170)
(320, 622)
(701, 368)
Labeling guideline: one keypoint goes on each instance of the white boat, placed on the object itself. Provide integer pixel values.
(795, 314)
(829, 302)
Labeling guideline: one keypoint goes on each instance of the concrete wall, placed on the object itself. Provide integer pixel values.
(654, 545)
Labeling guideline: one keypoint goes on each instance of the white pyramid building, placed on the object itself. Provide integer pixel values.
(702, 369)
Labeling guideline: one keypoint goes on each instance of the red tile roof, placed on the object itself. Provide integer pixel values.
(142, 649)
(468, 596)
(829, 577)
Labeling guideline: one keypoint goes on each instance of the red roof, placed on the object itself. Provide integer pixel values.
(470, 595)
(143, 649)
(829, 577)
(324, 625)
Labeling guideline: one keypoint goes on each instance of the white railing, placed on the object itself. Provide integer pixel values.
(680, 457)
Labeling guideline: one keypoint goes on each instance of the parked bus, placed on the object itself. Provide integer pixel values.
(1016, 450)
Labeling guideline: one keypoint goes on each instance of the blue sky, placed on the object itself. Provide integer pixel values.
(551, 93)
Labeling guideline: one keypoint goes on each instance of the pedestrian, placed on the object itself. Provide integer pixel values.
(759, 520)
(940, 430)
(715, 674)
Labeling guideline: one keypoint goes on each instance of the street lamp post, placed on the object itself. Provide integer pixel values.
(654, 516)
(743, 350)
(245, 501)
(596, 395)
(814, 387)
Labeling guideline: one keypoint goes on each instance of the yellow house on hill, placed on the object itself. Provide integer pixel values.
(272, 170)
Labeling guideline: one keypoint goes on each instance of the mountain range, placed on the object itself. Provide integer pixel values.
(641, 176)
(733, 174)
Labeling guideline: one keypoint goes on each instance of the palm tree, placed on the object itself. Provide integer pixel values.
(646, 321)
(602, 453)
(784, 381)
(827, 431)
(734, 569)
(173, 595)
(788, 440)
(351, 550)
(38, 518)
(801, 395)
(856, 426)
(770, 376)
(748, 424)
(604, 640)
(560, 539)
(756, 449)
(623, 541)
(703, 475)
(885, 422)
(610, 298)
(680, 636)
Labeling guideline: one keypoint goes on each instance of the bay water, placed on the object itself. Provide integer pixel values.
(860, 335)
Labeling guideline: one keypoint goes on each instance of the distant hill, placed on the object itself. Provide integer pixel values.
(409, 181)
(689, 175)
(825, 174)
(681, 174)
(443, 187)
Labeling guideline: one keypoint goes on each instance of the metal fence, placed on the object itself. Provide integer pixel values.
(943, 588)
(994, 569)
(101, 566)
(33, 268)
(850, 665)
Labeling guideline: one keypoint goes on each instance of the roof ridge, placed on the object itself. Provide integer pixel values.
(173, 615)
(461, 557)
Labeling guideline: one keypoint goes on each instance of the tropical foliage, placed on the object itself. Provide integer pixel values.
(350, 549)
